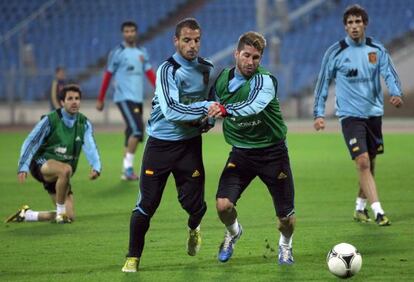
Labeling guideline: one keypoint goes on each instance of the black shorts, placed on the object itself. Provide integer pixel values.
(363, 135)
(50, 187)
(132, 114)
(181, 158)
(272, 166)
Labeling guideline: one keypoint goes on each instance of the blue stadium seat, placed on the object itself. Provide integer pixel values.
(77, 33)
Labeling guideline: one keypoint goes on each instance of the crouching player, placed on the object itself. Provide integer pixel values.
(51, 153)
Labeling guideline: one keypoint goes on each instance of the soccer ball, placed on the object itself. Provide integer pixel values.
(344, 260)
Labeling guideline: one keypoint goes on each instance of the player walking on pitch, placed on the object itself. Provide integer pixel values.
(128, 63)
(356, 63)
(51, 153)
(254, 126)
(174, 144)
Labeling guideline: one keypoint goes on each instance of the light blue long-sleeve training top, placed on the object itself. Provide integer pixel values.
(128, 66)
(181, 94)
(356, 69)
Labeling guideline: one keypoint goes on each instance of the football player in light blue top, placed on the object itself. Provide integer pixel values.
(174, 144)
(128, 63)
(356, 63)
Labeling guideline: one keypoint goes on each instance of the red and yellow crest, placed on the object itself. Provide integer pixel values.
(372, 57)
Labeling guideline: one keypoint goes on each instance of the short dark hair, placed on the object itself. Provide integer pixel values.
(128, 24)
(191, 23)
(59, 68)
(253, 39)
(67, 88)
(356, 10)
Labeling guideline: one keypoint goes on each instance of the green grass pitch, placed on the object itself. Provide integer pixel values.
(93, 248)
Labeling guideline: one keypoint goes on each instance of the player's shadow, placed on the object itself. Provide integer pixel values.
(34, 229)
(104, 218)
(238, 264)
(85, 271)
(218, 271)
(207, 263)
(119, 189)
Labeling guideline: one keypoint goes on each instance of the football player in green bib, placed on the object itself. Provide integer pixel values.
(253, 125)
(51, 153)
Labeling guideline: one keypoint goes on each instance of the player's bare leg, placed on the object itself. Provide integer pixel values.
(286, 228)
(25, 214)
(68, 204)
(361, 212)
(361, 193)
(226, 211)
(132, 144)
(228, 216)
(129, 156)
(368, 187)
(60, 172)
(366, 179)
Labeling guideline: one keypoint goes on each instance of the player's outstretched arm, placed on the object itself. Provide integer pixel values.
(100, 103)
(91, 149)
(217, 110)
(391, 78)
(261, 94)
(114, 60)
(150, 74)
(326, 75)
(32, 143)
(168, 96)
(149, 71)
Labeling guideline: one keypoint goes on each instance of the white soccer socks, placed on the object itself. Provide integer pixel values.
(128, 160)
(234, 228)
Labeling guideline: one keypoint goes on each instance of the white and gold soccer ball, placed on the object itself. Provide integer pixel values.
(344, 260)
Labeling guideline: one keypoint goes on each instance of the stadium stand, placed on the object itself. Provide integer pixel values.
(79, 33)
(322, 32)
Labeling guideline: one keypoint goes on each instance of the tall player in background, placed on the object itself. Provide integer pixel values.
(174, 145)
(356, 63)
(128, 63)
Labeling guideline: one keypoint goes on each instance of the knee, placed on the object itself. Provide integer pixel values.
(198, 207)
(66, 171)
(224, 205)
(363, 162)
(135, 134)
(144, 210)
(139, 213)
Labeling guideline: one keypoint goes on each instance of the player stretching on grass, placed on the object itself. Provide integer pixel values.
(356, 63)
(128, 63)
(253, 125)
(51, 153)
(174, 143)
